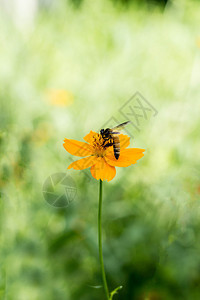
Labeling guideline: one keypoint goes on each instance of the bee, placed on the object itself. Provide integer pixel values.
(111, 138)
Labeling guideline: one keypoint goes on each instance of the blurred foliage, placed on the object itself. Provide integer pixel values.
(97, 56)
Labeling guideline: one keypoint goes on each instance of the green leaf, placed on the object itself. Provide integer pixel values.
(115, 291)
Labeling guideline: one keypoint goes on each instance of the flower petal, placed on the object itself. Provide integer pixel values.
(127, 157)
(77, 148)
(89, 137)
(83, 163)
(101, 170)
(124, 141)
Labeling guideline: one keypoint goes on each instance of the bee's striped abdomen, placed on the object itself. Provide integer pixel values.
(116, 146)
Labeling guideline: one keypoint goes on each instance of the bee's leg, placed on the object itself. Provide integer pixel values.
(108, 145)
(105, 140)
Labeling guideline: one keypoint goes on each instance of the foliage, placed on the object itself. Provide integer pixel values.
(101, 53)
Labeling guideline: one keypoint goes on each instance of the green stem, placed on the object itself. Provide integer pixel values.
(100, 242)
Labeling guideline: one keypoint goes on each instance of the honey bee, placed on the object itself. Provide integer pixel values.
(111, 138)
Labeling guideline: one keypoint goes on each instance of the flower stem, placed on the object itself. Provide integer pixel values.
(100, 242)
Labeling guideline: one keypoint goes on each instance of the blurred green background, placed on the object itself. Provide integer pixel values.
(67, 67)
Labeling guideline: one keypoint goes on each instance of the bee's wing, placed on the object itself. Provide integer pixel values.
(118, 128)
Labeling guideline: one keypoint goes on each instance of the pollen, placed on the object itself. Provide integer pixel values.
(99, 145)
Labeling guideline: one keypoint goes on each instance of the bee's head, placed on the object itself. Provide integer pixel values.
(102, 132)
(105, 132)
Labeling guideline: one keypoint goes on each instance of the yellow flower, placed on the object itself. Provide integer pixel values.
(100, 158)
(60, 97)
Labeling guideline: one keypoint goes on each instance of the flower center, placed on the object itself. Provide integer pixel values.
(100, 145)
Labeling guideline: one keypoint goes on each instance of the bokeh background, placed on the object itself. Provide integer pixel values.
(68, 67)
